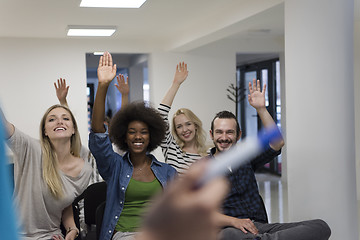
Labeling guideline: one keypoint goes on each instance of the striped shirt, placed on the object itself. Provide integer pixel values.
(173, 154)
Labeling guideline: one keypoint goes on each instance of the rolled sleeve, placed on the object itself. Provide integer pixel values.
(101, 148)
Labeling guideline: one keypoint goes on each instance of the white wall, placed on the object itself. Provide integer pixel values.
(320, 114)
(29, 68)
(356, 95)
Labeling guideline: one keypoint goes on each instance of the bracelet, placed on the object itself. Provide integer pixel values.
(70, 229)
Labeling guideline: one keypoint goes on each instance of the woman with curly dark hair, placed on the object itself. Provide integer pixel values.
(133, 179)
(137, 111)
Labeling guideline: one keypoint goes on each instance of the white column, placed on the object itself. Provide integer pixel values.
(320, 113)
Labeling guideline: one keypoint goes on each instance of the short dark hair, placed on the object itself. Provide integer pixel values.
(227, 115)
(137, 111)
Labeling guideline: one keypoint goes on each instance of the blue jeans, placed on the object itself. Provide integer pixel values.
(306, 230)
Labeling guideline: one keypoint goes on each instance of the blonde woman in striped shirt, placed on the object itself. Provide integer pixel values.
(185, 144)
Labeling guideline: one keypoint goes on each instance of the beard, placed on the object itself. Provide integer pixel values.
(218, 144)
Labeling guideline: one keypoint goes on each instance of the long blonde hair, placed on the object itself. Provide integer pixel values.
(49, 159)
(200, 136)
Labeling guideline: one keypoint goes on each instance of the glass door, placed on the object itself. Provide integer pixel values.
(268, 73)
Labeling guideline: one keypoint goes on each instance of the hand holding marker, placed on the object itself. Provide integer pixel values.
(241, 153)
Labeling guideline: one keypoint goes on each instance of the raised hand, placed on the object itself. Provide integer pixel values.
(106, 70)
(61, 91)
(122, 84)
(256, 97)
(181, 73)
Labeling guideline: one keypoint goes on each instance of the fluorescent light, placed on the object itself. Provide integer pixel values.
(146, 87)
(86, 31)
(98, 53)
(112, 3)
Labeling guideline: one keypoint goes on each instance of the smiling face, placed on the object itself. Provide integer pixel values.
(185, 128)
(224, 134)
(58, 124)
(137, 137)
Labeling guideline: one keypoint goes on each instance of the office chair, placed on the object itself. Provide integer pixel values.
(99, 215)
(11, 171)
(94, 195)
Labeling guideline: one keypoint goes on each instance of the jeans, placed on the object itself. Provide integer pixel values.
(306, 230)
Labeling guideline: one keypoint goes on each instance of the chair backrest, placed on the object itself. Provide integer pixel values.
(99, 218)
(94, 195)
(11, 171)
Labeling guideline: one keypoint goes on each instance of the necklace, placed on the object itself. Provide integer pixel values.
(144, 165)
(140, 168)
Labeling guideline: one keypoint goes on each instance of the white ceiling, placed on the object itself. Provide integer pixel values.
(175, 25)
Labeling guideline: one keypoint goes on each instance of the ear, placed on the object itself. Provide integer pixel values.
(238, 137)
(211, 135)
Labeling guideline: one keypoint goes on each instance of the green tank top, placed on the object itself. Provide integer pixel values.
(137, 196)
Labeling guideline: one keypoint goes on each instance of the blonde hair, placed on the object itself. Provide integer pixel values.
(49, 160)
(200, 136)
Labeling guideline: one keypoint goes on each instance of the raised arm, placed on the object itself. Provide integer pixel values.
(257, 100)
(106, 73)
(181, 74)
(61, 91)
(123, 87)
(9, 127)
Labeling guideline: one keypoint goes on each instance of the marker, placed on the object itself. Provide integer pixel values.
(243, 152)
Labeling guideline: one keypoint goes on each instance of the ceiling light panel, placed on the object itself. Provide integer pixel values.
(112, 3)
(86, 31)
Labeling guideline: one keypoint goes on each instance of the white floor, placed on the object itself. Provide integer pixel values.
(274, 195)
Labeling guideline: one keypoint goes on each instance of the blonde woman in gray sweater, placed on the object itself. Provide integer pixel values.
(48, 175)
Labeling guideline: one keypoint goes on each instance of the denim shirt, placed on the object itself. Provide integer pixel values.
(117, 171)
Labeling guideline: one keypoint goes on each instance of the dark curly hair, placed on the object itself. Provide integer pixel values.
(137, 111)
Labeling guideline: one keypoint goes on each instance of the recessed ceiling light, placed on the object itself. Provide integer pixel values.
(112, 3)
(88, 31)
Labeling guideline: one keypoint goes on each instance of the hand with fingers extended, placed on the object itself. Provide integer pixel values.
(122, 84)
(61, 90)
(181, 73)
(256, 97)
(106, 70)
(123, 87)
